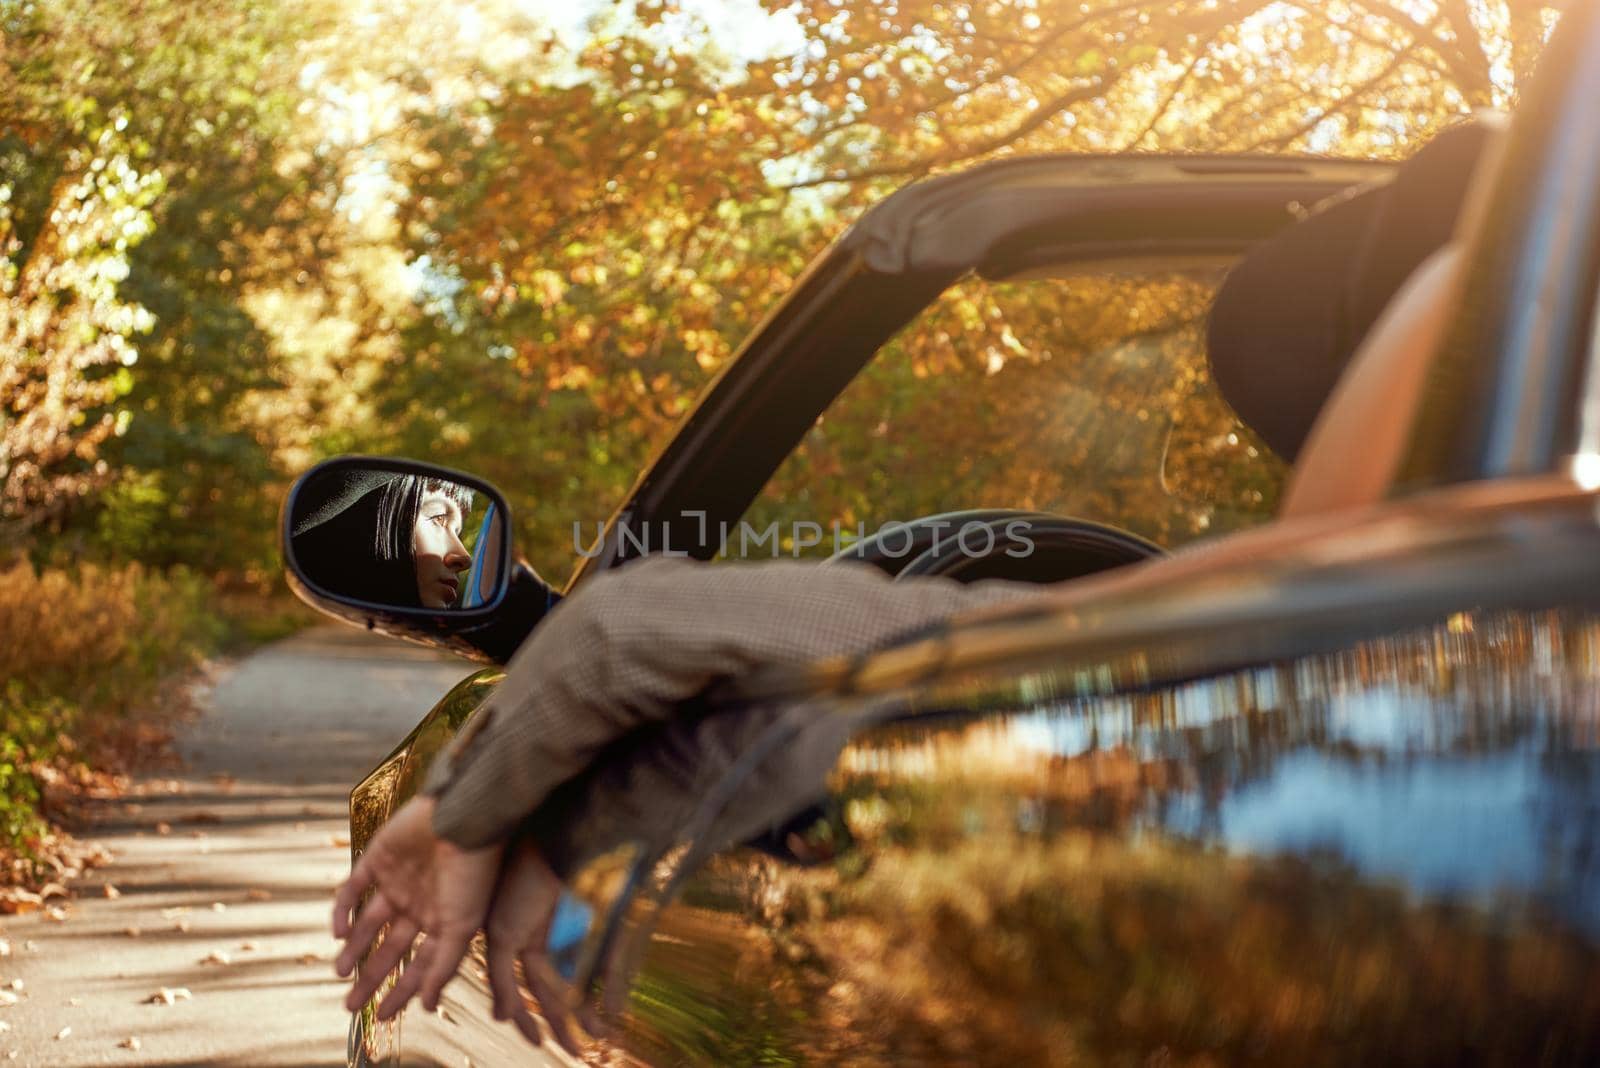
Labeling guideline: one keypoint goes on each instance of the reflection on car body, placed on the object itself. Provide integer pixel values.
(1254, 868)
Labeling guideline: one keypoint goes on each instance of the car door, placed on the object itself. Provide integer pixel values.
(1338, 808)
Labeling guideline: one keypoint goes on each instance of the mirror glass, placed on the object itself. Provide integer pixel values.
(398, 539)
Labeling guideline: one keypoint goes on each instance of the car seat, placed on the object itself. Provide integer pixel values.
(1319, 338)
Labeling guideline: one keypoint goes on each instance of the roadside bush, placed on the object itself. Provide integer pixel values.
(91, 658)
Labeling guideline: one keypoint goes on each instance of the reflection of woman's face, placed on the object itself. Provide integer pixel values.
(436, 547)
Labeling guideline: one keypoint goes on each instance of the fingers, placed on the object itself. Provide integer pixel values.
(449, 947)
(501, 963)
(405, 988)
(526, 1022)
(430, 970)
(508, 1001)
(348, 896)
(361, 935)
(383, 960)
(551, 994)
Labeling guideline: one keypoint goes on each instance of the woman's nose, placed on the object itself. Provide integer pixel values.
(456, 557)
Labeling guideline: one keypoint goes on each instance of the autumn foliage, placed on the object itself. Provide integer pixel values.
(135, 627)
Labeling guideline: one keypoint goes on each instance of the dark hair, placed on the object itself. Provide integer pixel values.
(398, 506)
(358, 541)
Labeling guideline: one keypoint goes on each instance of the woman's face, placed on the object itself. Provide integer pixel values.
(437, 550)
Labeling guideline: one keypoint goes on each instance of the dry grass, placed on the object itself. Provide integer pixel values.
(93, 660)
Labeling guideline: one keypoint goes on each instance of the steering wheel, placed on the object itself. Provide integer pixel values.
(1000, 543)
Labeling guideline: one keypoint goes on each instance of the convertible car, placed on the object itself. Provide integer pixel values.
(1326, 791)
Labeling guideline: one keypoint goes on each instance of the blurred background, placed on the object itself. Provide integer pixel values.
(517, 237)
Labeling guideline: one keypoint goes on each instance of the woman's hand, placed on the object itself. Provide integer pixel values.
(518, 932)
(422, 885)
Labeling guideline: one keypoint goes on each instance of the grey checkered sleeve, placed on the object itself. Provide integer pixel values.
(635, 642)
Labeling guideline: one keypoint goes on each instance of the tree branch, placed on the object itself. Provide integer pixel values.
(1038, 117)
(1166, 105)
(1469, 42)
(1340, 106)
(1011, 69)
(1470, 81)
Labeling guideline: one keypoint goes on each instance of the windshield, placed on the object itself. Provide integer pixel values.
(1086, 394)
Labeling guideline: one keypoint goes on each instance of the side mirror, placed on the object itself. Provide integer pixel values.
(412, 549)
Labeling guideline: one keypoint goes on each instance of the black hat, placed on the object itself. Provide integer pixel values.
(335, 539)
(332, 493)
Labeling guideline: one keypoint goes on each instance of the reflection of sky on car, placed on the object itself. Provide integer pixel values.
(1397, 783)
(1467, 825)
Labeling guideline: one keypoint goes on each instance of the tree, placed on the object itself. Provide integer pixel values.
(156, 155)
(610, 224)
(66, 331)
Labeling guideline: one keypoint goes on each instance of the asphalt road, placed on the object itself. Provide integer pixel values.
(222, 874)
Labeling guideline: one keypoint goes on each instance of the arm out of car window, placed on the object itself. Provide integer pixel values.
(638, 641)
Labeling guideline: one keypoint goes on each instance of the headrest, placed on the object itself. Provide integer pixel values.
(1292, 312)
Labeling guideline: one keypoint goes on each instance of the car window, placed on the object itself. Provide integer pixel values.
(1086, 395)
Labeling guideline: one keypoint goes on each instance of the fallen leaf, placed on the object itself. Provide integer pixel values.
(63, 1033)
(7, 998)
(132, 808)
(163, 828)
(130, 1042)
(169, 996)
(182, 927)
(338, 840)
(111, 892)
(197, 834)
(217, 906)
(56, 914)
(202, 817)
(216, 956)
(20, 902)
(248, 947)
(174, 911)
(132, 932)
(259, 895)
(310, 958)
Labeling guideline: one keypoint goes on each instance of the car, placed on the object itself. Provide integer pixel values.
(1326, 791)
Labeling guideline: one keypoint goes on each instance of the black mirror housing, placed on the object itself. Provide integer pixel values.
(339, 516)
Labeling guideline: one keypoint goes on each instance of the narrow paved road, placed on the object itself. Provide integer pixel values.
(222, 874)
